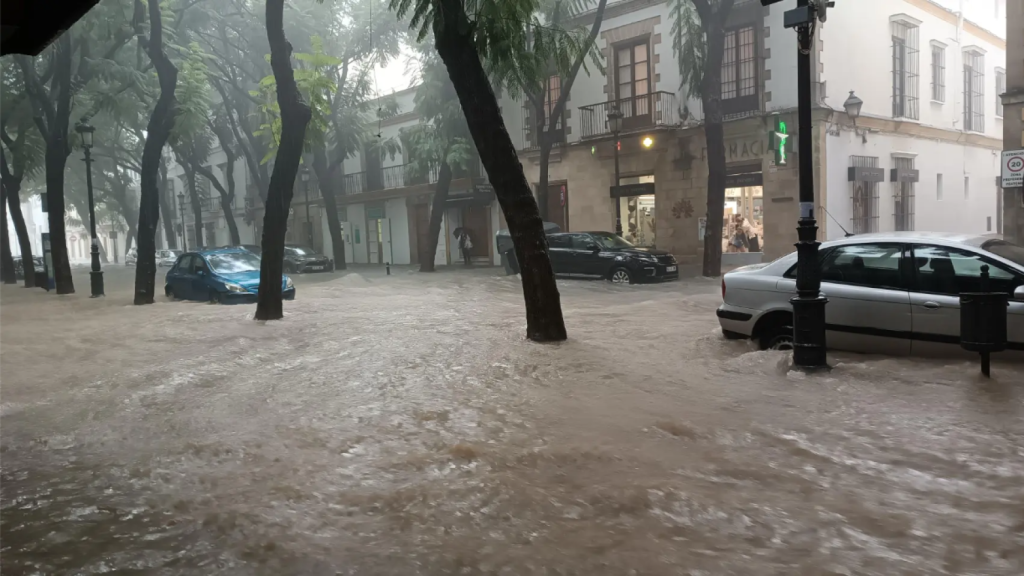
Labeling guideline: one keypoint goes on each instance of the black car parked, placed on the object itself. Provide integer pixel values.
(607, 255)
(299, 259)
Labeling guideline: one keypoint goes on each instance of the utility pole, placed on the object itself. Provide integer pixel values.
(809, 304)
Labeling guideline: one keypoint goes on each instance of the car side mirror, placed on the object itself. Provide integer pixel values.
(1018, 294)
(594, 248)
(200, 272)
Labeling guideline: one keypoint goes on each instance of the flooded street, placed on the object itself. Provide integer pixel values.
(402, 425)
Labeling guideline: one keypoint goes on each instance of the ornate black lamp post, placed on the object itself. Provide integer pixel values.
(181, 212)
(96, 275)
(615, 124)
(809, 304)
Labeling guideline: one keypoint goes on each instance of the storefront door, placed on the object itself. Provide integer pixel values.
(558, 204)
(475, 219)
(637, 214)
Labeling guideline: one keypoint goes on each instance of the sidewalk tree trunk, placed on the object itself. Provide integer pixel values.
(698, 31)
(7, 272)
(227, 197)
(11, 180)
(444, 182)
(457, 40)
(161, 122)
(167, 207)
(325, 180)
(295, 115)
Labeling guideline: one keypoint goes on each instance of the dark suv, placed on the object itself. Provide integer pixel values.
(606, 255)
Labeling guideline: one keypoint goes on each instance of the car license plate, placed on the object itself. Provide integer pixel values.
(316, 267)
(670, 269)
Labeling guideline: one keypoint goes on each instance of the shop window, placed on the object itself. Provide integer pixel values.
(637, 214)
(863, 198)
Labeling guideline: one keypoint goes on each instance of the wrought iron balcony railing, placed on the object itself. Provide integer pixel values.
(638, 113)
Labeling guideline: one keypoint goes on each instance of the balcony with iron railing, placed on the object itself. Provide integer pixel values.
(531, 142)
(400, 176)
(658, 109)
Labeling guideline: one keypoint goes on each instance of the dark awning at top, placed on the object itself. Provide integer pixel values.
(29, 26)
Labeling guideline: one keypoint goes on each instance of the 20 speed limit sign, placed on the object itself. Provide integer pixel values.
(1013, 168)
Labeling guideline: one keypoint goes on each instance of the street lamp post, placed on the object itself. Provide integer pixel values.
(615, 124)
(309, 224)
(96, 274)
(181, 212)
(809, 304)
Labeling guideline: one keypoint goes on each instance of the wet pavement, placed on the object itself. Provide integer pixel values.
(402, 425)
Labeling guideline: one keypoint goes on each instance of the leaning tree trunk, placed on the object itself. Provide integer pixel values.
(544, 142)
(161, 121)
(325, 181)
(167, 207)
(197, 207)
(714, 134)
(295, 115)
(456, 46)
(429, 252)
(226, 198)
(13, 189)
(7, 273)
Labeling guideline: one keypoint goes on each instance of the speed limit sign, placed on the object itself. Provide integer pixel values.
(1013, 168)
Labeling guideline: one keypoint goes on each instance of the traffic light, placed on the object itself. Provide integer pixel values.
(777, 139)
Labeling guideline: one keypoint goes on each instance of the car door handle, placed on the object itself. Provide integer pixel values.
(931, 305)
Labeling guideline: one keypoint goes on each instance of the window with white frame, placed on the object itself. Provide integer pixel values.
(1000, 88)
(974, 91)
(938, 72)
(905, 69)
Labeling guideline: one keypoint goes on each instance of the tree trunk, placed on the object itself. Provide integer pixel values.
(226, 198)
(13, 189)
(167, 207)
(456, 45)
(545, 137)
(295, 115)
(325, 180)
(714, 134)
(161, 121)
(132, 233)
(7, 272)
(544, 142)
(56, 160)
(197, 207)
(428, 252)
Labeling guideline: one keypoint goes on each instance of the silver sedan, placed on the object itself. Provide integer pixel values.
(891, 293)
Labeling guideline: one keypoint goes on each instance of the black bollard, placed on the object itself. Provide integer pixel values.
(983, 321)
(387, 266)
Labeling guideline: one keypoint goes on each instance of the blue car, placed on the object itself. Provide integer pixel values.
(225, 275)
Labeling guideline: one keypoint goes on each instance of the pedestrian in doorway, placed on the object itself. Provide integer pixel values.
(465, 244)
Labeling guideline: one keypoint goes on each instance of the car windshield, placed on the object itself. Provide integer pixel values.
(233, 262)
(609, 240)
(297, 251)
(1005, 249)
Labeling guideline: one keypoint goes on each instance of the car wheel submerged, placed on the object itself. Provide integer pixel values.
(169, 292)
(778, 337)
(215, 297)
(620, 276)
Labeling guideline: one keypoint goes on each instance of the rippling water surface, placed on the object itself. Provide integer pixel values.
(402, 425)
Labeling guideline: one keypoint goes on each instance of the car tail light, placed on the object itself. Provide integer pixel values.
(723, 287)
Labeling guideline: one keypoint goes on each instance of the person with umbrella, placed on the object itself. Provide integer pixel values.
(465, 243)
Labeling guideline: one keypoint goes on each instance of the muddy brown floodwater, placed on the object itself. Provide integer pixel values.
(401, 425)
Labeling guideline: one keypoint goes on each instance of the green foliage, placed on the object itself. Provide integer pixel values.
(688, 45)
(444, 133)
(193, 94)
(316, 86)
(24, 147)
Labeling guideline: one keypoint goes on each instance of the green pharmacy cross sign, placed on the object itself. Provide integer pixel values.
(777, 138)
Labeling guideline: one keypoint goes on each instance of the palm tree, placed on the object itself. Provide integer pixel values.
(462, 42)
(698, 41)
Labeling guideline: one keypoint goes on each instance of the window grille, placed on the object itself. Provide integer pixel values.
(1000, 88)
(864, 198)
(903, 199)
(938, 73)
(905, 72)
(974, 91)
